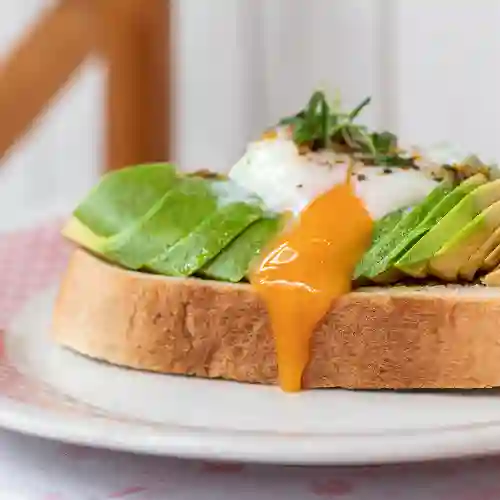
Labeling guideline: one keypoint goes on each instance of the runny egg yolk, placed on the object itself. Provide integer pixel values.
(305, 269)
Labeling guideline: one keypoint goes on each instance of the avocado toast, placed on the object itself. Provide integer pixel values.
(172, 282)
(196, 228)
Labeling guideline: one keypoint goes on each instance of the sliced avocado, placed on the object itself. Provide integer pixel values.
(415, 262)
(387, 223)
(123, 196)
(233, 263)
(381, 228)
(492, 278)
(451, 200)
(381, 255)
(79, 233)
(207, 240)
(492, 260)
(393, 272)
(117, 202)
(178, 212)
(390, 275)
(446, 263)
(469, 269)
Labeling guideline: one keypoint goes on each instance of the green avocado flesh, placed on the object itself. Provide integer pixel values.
(207, 240)
(386, 224)
(172, 224)
(392, 244)
(382, 227)
(176, 214)
(457, 236)
(492, 260)
(455, 253)
(469, 269)
(124, 196)
(233, 262)
(152, 218)
(415, 262)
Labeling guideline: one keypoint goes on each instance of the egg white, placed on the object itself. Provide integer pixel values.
(288, 181)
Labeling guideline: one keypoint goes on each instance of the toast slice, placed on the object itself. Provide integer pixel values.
(434, 337)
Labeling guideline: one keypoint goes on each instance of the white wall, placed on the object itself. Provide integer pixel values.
(448, 75)
(430, 66)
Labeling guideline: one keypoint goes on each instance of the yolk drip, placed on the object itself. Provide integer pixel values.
(309, 265)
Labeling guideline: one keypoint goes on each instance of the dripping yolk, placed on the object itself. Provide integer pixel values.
(308, 266)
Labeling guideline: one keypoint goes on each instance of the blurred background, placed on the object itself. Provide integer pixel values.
(237, 66)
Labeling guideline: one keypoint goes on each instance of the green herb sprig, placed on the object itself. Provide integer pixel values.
(323, 126)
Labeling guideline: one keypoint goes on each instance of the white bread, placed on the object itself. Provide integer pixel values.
(397, 338)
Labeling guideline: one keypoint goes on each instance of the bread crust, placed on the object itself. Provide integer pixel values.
(393, 339)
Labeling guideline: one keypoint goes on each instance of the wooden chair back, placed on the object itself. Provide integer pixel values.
(132, 36)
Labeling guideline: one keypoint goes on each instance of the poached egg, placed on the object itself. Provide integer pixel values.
(311, 263)
(286, 180)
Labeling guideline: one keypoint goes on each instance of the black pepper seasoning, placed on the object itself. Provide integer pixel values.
(387, 171)
(361, 177)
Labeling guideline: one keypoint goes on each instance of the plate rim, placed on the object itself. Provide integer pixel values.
(253, 447)
(108, 430)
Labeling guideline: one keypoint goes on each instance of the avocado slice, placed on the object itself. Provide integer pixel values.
(492, 278)
(192, 252)
(115, 204)
(79, 233)
(381, 255)
(177, 213)
(393, 272)
(121, 197)
(233, 263)
(415, 262)
(469, 269)
(445, 264)
(387, 224)
(492, 260)
(381, 228)
(450, 201)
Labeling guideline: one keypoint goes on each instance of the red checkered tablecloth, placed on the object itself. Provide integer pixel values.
(30, 259)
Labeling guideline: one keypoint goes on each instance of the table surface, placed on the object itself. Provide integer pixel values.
(35, 469)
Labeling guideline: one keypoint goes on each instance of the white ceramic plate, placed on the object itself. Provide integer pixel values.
(50, 392)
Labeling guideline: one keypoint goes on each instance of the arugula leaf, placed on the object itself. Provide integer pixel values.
(385, 142)
(315, 102)
(325, 123)
(320, 125)
(355, 112)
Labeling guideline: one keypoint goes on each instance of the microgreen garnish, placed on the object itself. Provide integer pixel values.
(321, 125)
(355, 112)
